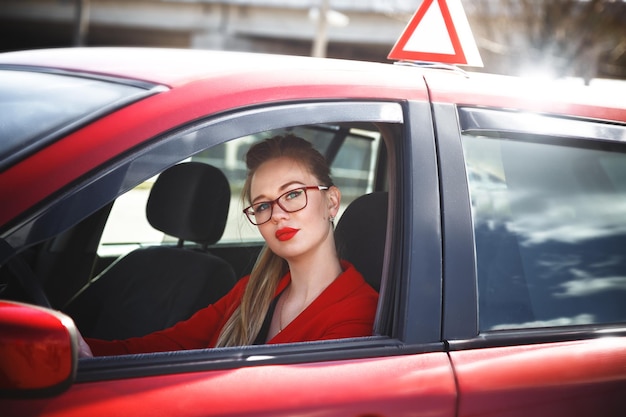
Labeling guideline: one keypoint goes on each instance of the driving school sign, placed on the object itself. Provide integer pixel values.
(438, 32)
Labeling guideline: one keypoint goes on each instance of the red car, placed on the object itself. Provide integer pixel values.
(489, 212)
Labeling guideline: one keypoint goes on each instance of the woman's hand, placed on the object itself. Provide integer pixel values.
(84, 351)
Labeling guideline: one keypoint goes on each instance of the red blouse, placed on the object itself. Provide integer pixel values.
(346, 308)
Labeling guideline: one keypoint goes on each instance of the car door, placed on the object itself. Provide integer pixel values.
(401, 370)
(535, 307)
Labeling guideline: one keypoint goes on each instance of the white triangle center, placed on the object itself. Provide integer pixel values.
(431, 35)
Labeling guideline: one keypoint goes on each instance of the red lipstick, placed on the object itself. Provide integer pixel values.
(285, 233)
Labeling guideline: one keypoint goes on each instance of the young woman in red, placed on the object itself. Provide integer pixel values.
(299, 290)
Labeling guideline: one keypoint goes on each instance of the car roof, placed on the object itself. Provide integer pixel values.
(177, 67)
(559, 97)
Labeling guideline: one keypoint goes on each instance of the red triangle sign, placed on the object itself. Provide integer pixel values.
(438, 32)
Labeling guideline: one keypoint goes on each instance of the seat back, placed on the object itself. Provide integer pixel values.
(153, 288)
(190, 201)
(360, 235)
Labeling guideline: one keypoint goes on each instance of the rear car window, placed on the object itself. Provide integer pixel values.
(35, 107)
(550, 230)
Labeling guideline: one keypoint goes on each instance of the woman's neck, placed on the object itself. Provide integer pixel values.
(311, 276)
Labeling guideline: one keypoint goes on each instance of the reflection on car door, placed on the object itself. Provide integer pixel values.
(405, 385)
(580, 378)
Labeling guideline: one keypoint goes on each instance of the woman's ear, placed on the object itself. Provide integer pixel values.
(334, 199)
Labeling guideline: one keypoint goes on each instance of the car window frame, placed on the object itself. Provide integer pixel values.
(418, 250)
(144, 162)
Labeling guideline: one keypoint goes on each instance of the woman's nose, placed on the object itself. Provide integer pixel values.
(278, 213)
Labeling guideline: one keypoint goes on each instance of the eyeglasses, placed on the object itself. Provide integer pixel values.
(291, 201)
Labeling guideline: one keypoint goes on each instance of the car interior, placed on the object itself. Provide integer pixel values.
(169, 283)
(123, 288)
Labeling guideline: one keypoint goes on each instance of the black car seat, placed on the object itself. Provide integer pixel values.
(360, 235)
(153, 288)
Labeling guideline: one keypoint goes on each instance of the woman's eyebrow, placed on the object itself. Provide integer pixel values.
(286, 186)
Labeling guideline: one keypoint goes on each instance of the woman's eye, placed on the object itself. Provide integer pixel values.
(293, 194)
(261, 207)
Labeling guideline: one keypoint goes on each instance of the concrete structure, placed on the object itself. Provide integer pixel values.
(356, 29)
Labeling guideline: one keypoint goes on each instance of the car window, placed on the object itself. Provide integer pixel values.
(550, 230)
(35, 106)
(352, 153)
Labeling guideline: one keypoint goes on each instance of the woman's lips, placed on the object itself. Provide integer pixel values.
(285, 233)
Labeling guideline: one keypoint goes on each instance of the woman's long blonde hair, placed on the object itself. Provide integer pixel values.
(247, 319)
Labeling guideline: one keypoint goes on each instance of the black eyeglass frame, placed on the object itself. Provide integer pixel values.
(249, 211)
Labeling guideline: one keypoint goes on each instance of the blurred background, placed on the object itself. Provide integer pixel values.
(583, 39)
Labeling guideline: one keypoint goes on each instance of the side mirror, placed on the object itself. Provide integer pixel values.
(38, 351)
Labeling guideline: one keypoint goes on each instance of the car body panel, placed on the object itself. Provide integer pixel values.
(177, 67)
(579, 378)
(528, 95)
(386, 386)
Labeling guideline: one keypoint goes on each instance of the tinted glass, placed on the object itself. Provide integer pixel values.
(34, 106)
(550, 231)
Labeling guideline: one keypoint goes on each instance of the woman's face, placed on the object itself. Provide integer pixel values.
(301, 233)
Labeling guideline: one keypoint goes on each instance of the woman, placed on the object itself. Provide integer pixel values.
(298, 290)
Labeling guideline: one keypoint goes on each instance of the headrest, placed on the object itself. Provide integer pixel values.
(360, 235)
(190, 201)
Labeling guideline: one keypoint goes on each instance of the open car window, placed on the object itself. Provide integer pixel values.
(71, 242)
(352, 152)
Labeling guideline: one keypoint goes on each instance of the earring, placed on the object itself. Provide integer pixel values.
(331, 218)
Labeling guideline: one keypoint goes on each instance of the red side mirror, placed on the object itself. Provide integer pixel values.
(38, 350)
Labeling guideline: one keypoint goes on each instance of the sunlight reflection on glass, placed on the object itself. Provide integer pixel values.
(550, 226)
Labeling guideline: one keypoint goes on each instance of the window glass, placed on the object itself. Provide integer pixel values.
(34, 105)
(550, 231)
(352, 167)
